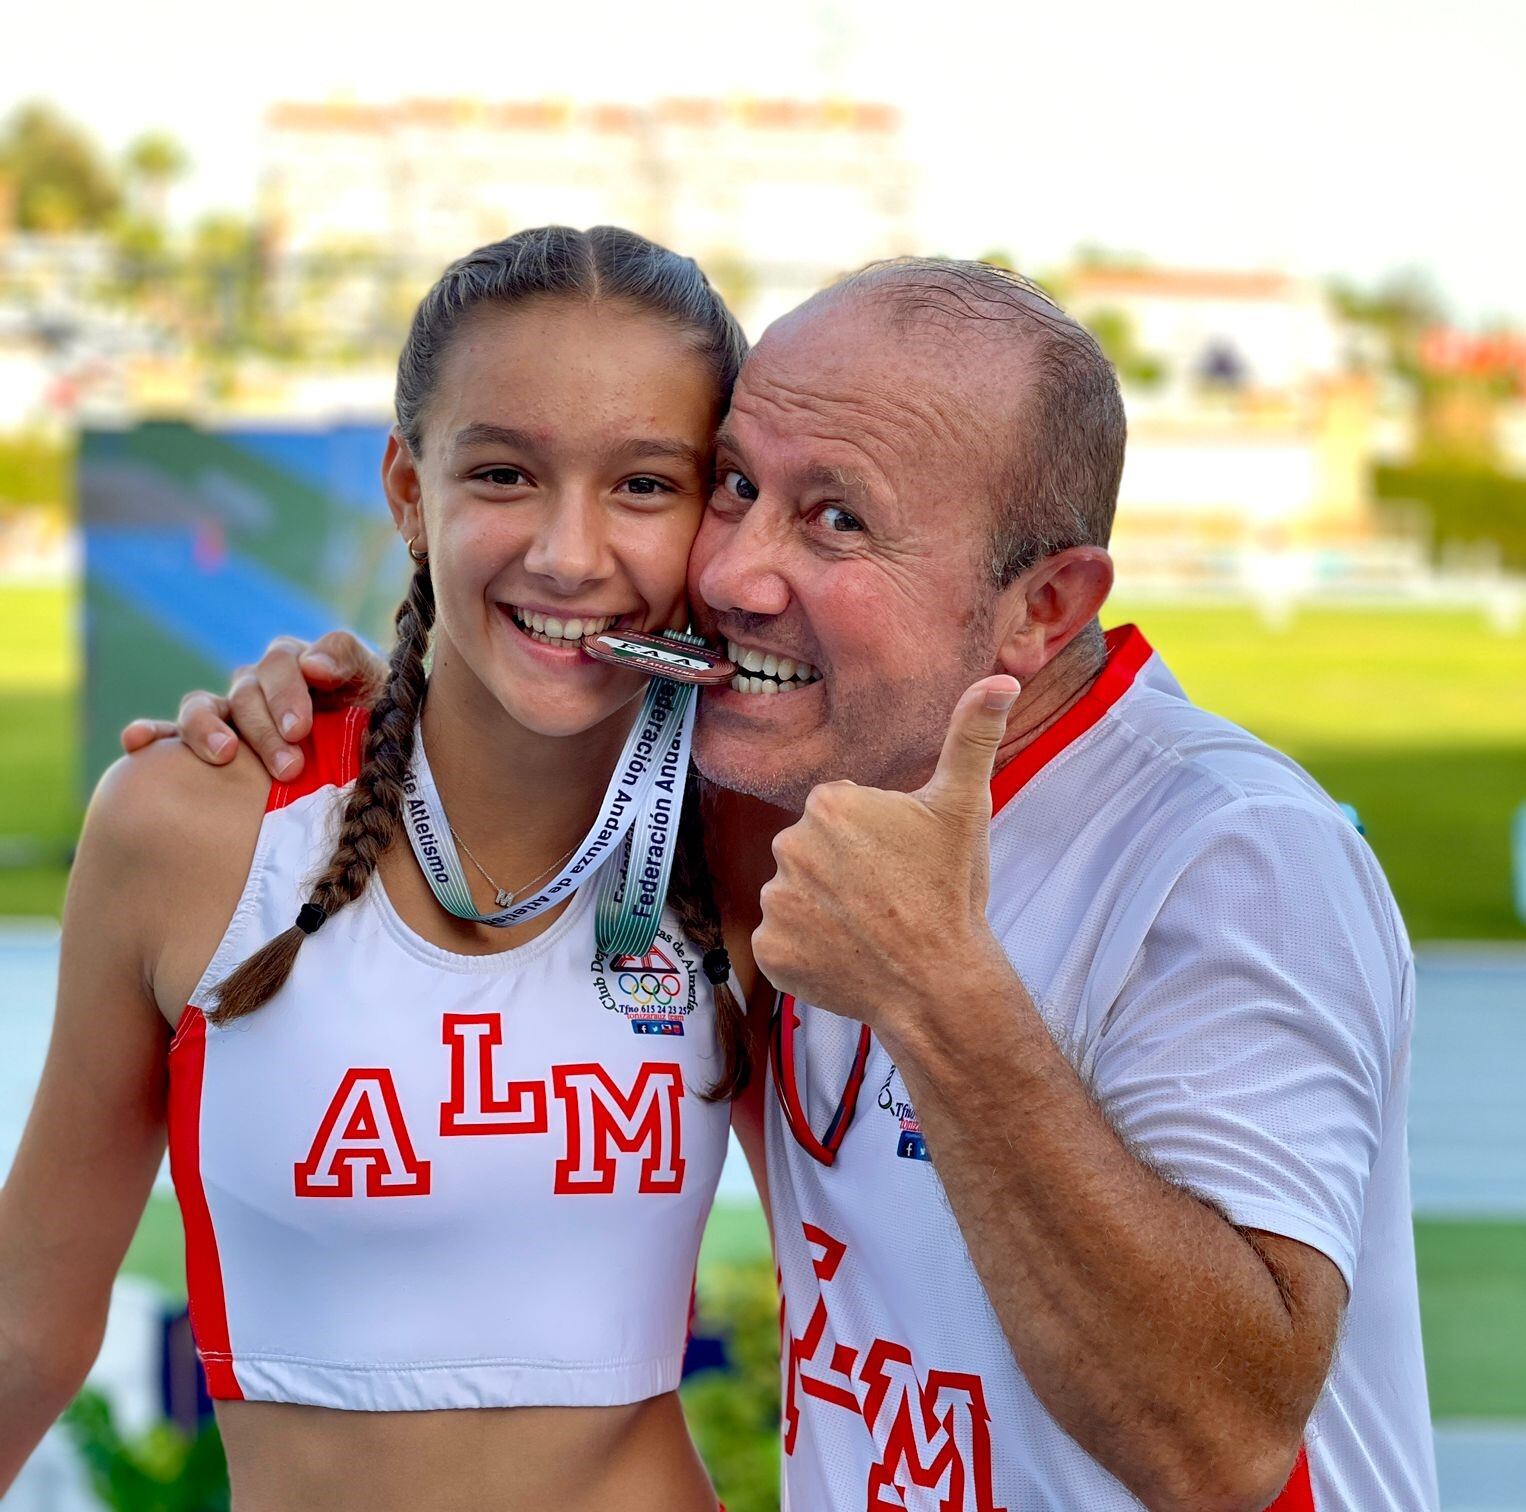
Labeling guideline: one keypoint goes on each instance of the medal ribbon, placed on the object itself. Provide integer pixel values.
(637, 829)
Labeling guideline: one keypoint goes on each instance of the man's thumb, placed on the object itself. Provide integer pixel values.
(975, 731)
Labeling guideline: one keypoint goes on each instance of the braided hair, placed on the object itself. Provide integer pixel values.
(371, 812)
(692, 898)
(604, 263)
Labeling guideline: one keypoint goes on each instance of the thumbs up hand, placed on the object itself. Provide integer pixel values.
(880, 896)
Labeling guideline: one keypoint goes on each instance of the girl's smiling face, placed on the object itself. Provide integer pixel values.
(564, 466)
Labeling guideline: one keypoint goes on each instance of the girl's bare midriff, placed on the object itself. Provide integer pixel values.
(636, 1458)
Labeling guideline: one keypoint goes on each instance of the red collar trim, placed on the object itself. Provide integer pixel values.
(331, 755)
(1127, 652)
(782, 1055)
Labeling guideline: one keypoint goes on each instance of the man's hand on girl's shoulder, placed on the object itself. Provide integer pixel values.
(270, 705)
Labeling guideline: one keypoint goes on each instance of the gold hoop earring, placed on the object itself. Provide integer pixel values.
(418, 556)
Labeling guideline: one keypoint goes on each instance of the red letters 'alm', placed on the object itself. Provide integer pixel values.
(364, 1123)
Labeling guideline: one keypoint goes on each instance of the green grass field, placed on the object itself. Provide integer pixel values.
(1418, 719)
(39, 800)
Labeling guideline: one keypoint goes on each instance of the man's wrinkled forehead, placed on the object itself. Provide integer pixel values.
(841, 370)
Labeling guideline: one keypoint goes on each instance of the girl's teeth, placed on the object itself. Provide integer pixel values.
(554, 629)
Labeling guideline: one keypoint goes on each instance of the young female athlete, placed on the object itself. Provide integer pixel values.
(424, 1164)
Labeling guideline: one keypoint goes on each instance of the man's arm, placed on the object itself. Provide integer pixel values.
(1183, 1353)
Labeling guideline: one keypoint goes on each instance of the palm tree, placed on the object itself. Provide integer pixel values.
(152, 163)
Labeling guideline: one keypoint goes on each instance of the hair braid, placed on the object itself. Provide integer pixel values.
(692, 899)
(371, 812)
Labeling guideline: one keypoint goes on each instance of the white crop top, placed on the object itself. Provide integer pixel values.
(416, 1179)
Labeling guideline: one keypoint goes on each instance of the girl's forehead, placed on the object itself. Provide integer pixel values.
(588, 382)
(557, 329)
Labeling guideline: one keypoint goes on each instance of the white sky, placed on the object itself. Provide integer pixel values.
(1353, 136)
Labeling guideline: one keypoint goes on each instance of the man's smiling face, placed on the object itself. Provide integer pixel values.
(848, 533)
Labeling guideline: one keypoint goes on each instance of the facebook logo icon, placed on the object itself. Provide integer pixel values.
(912, 1146)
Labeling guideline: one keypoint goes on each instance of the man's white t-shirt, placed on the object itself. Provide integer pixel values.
(1215, 950)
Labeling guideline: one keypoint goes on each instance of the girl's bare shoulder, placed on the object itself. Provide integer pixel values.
(169, 840)
(164, 806)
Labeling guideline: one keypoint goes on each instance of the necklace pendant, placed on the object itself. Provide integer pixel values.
(503, 899)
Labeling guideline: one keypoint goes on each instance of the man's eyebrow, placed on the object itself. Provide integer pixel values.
(482, 434)
(818, 476)
(821, 476)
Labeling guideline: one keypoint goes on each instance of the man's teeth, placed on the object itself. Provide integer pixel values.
(547, 627)
(777, 673)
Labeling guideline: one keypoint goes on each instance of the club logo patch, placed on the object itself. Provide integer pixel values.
(654, 993)
(910, 1144)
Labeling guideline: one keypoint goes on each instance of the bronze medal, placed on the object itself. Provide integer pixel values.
(658, 656)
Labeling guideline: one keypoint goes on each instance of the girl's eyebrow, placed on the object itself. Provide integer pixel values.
(658, 446)
(482, 434)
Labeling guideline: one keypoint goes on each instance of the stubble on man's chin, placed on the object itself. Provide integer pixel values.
(757, 777)
(888, 737)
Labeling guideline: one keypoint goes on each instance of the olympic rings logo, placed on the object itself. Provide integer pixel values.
(660, 987)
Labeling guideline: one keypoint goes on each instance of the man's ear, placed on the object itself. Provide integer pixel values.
(1046, 607)
(400, 482)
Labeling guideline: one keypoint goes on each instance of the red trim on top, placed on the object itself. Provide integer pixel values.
(203, 1271)
(1127, 652)
(1298, 1494)
(330, 756)
(782, 1054)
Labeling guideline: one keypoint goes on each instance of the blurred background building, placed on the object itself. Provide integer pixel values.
(404, 189)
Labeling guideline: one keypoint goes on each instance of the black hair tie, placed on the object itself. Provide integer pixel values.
(717, 966)
(310, 918)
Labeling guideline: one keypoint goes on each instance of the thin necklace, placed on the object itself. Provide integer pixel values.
(502, 896)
